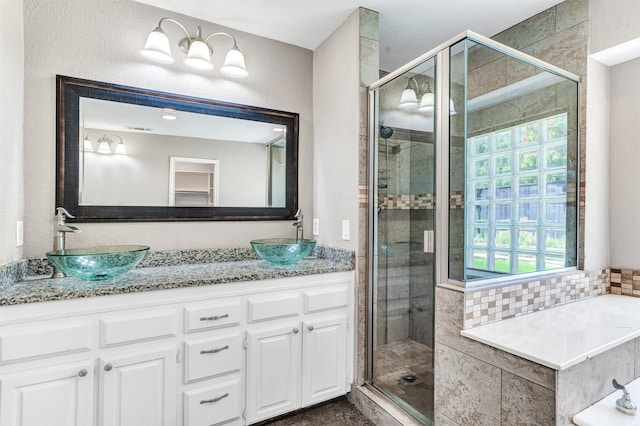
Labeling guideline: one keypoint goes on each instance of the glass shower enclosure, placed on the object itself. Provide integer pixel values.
(473, 153)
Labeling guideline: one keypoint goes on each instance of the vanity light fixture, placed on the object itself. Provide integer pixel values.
(409, 97)
(197, 50)
(104, 144)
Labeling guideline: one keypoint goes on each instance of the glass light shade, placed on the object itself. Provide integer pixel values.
(426, 102)
(452, 109)
(409, 99)
(199, 56)
(87, 145)
(121, 149)
(234, 64)
(157, 47)
(104, 147)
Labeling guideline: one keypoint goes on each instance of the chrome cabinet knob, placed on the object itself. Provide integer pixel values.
(108, 367)
(310, 328)
(82, 372)
(295, 331)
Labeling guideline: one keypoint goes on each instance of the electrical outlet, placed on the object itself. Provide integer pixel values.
(346, 232)
(316, 226)
(19, 233)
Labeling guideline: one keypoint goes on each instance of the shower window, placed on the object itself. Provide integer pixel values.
(513, 157)
(522, 242)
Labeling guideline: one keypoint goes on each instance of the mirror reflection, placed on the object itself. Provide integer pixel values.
(129, 153)
(126, 153)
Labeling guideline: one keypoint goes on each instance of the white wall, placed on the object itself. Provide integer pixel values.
(625, 157)
(596, 210)
(613, 102)
(11, 133)
(100, 40)
(336, 109)
(613, 22)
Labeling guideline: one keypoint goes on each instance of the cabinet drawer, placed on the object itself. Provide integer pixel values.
(205, 316)
(267, 308)
(219, 403)
(33, 341)
(212, 357)
(325, 298)
(121, 329)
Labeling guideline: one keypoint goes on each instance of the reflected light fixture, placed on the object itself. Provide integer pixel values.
(410, 95)
(104, 144)
(196, 48)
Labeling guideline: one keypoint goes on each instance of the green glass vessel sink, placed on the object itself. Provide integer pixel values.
(97, 263)
(283, 251)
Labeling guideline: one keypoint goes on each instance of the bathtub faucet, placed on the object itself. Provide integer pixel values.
(625, 404)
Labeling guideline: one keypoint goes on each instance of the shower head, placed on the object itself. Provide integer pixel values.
(385, 132)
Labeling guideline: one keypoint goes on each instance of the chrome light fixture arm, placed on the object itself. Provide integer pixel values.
(196, 48)
(175, 22)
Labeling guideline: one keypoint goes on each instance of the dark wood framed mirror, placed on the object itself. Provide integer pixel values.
(131, 154)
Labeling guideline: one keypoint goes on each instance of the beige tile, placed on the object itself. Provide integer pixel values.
(442, 420)
(448, 317)
(589, 381)
(466, 389)
(570, 13)
(636, 373)
(526, 403)
(532, 30)
(369, 23)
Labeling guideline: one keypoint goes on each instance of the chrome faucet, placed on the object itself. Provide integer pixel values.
(60, 229)
(625, 404)
(298, 226)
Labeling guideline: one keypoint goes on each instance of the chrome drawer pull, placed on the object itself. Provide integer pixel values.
(214, 400)
(82, 372)
(215, 318)
(214, 351)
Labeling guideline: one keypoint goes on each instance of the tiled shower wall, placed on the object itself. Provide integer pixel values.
(405, 289)
(475, 383)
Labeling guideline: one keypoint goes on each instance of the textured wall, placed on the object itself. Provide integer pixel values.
(11, 133)
(625, 151)
(336, 70)
(99, 40)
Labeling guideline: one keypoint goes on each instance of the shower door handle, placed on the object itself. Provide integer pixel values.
(429, 241)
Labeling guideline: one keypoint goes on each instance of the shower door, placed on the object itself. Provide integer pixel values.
(403, 240)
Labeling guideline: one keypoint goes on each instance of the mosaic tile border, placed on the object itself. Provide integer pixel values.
(496, 304)
(625, 281)
(407, 202)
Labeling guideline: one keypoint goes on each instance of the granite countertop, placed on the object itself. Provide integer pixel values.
(566, 335)
(167, 270)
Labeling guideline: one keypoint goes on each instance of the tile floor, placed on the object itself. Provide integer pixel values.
(406, 358)
(337, 412)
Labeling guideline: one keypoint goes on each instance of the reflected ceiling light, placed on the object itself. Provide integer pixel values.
(87, 145)
(427, 100)
(409, 98)
(169, 117)
(278, 129)
(104, 144)
(196, 48)
(410, 95)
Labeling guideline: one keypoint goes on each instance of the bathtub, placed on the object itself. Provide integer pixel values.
(605, 413)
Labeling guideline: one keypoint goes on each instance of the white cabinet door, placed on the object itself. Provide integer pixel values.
(140, 389)
(56, 396)
(273, 371)
(324, 371)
